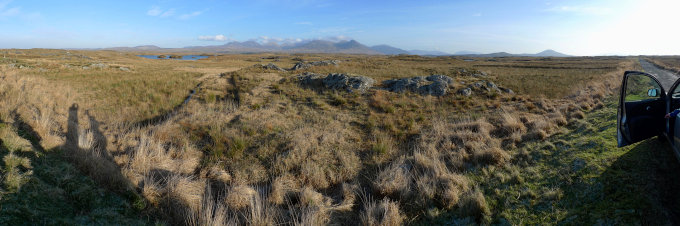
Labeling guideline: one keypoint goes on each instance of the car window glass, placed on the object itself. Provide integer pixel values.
(638, 88)
(676, 92)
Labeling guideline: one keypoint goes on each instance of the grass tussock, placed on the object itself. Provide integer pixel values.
(254, 147)
(384, 212)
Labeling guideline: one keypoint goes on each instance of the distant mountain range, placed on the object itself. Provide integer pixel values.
(545, 53)
(322, 46)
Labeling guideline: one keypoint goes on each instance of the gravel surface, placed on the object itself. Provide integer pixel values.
(666, 78)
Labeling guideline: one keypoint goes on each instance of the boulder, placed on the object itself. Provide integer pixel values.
(465, 92)
(310, 79)
(305, 65)
(479, 74)
(403, 84)
(300, 65)
(272, 66)
(336, 81)
(506, 90)
(349, 83)
(435, 85)
(440, 78)
(99, 65)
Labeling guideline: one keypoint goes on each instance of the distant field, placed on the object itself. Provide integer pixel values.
(255, 146)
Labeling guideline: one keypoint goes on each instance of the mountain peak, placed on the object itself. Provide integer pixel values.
(551, 53)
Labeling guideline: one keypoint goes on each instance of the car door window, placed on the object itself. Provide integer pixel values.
(639, 88)
(676, 92)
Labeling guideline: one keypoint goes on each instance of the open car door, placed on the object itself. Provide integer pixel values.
(642, 106)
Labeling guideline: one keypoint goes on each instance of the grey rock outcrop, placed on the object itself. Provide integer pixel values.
(336, 81)
(349, 83)
(306, 65)
(489, 86)
(99, 66)
(465, 92)
(310, 79)
(435, 85)
(272, 66)
(506, 90)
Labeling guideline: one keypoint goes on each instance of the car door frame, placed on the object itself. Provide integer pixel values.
(673, 139)
(623, 139)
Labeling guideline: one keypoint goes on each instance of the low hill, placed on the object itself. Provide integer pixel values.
(389, 50)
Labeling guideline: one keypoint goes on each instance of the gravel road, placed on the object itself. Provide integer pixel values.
(666, 78)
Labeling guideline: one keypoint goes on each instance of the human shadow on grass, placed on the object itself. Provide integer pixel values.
(59, 192)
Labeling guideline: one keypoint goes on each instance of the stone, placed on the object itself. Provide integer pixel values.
(99, 65)
(124, 69)
(440, 78)
(435, 85)
(478, 85)
(272, 66)
(480, 74)
(306, 65)
(348, 83)
(435, 89)
(506, 90)
(465, 92)
(404, 84)
(310, 79)
(335, 81)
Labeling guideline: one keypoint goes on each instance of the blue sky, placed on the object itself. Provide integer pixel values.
(576, 27)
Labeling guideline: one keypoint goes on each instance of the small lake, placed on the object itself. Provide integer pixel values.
(186, 57)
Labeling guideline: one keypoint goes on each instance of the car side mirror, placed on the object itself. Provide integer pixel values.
(653, 92)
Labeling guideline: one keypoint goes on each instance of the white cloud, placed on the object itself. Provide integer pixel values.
(304, 23)
(477, 14)
(168, 13)
(7, 12)
(162, 13)
(190, 15)
(337, 38)
(154, 11)
(593, 10)
(218, 38)
(10, 12)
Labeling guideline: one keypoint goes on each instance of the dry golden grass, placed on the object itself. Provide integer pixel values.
(254, 147)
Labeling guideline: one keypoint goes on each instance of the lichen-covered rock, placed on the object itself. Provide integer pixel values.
(440, 78)
(272, 66)
(506, 90)
(310, 79)
(404, 84)
(435, 85)
(349, 83)
(465, 92)
(306, 65)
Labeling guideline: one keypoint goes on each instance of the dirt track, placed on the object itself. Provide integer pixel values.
(666, 78)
